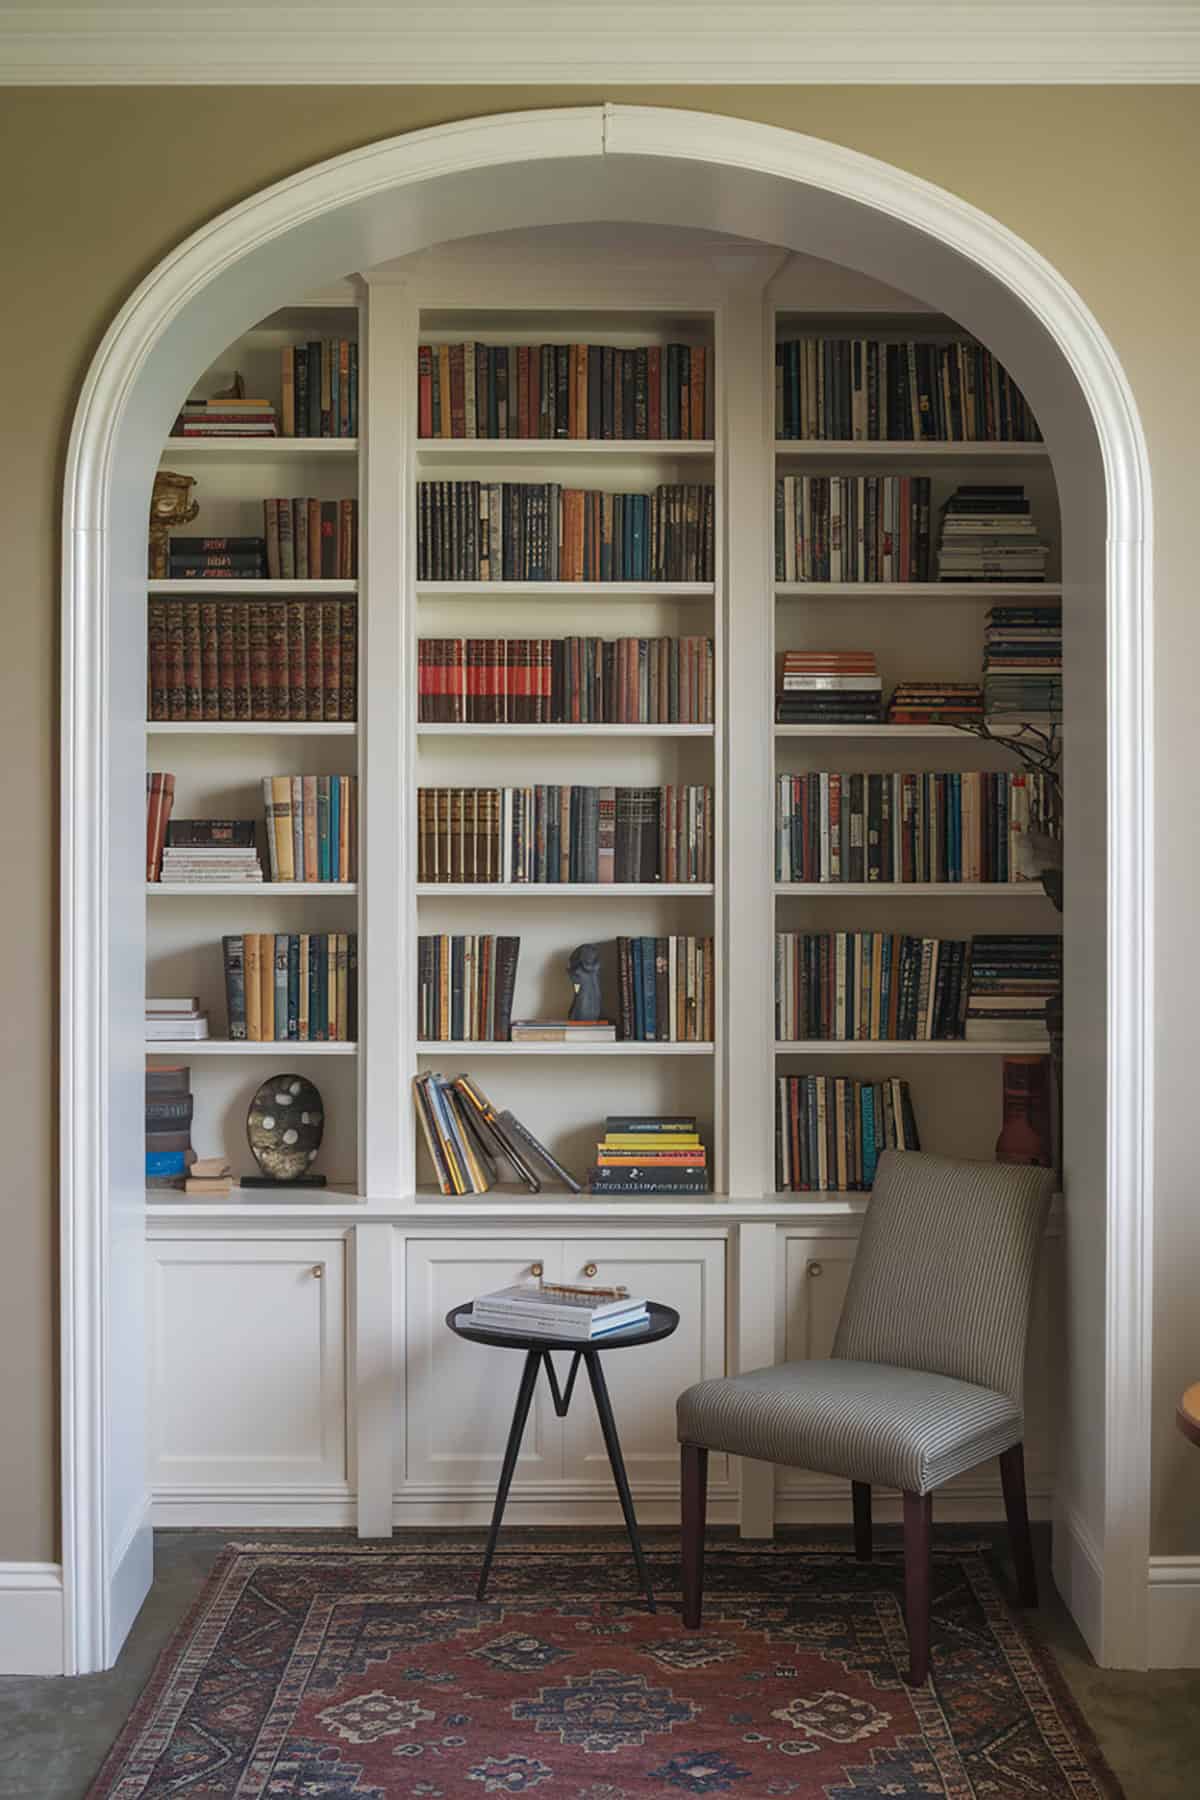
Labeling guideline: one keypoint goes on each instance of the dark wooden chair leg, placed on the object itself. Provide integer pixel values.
(918, 1521)
(860, 1492)
(693, 1471)
(1012, 1479)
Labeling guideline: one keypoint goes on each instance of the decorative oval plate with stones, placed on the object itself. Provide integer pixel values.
(285, 1125)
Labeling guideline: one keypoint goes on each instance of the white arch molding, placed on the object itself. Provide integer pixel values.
(557, 165)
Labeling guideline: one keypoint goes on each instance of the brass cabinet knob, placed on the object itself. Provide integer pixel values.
(815, 1268)
(589, 1269)
(536, 1269)
(318, 1270)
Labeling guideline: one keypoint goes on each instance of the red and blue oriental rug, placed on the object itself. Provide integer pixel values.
(311, 1670)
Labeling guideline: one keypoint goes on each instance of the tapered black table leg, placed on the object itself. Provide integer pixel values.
(529, 1375)
(616, 1461)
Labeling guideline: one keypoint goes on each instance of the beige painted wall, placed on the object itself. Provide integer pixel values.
(99, 184)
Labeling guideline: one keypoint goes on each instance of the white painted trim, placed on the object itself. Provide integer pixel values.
(542, 42)
(31, 1618)
(1173, 1628)
(1079, 1576)
(331, 191)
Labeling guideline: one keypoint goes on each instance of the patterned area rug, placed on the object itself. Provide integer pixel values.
(331, 1672)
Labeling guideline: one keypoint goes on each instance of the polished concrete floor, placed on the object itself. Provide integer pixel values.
(54, 1734)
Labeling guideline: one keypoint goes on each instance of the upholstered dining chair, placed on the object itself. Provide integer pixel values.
(926, 1376)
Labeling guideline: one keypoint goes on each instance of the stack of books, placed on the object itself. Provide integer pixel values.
(160, 798)
(552, 1310)
(203, 850)
(988, 534)
(566, 681)
(224, 417)
(312, 826)
(209, 1178)
(830, 1131)
(311, 540)
(565, 834)
(1022, 662)
(279, 659)
(477, 390)
(830, 387)
(169, 1020)
(217, 559)
(666, 990)
(655, 1154)
(852, 528)
(292, 987)
(465, 987)
(563, 1031)
(169, 1108)
(828, 687)
(935, 703)
(471, 1142)
(869, 985)
(319, 383)
(1012, 978)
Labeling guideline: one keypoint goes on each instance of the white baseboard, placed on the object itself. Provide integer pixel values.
(259, 1508)
(1173, 1613)
(1079, 1576)
(31, 1618)
(133, 1572)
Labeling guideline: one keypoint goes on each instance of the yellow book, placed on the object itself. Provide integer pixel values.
(651, 1140)
(253, 979)
(281, 814)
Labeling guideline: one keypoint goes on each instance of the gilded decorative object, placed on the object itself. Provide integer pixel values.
(170, 507)
(285, 1126)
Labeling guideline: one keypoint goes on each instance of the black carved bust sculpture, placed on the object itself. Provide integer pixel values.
(584, 970)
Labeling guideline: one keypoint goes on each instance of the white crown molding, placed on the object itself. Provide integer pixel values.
(563, 43)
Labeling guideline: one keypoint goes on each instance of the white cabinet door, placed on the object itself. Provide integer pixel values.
(459, 1396)
(644, 1382)
(247, 1362)
(816, 1275)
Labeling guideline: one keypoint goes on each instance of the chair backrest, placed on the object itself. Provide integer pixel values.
(943, 1275)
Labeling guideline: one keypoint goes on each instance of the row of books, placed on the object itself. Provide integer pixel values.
(465, 985)
(572, 680)
(1022, 661)
(319, 388)
(217, 558)
(208, 850)
(828, 687)
(471, 1142)
(661, 1153)
(280, 659)
(870, 985)
(857, 388)
(551, 1310)
(311, 540)
(830, 1131)
(292, 987)
(311, 826)
(169, 1111)
(226, 415)
(936, 703)
(540, 531)
(964, 825)
(852, 528)
(988, 533)
(474, 390)
(666, 990)
(1012, 978)
(565, 834)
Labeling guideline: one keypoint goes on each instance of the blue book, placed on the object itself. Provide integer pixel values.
(870, 1152)
(335, 819)
(639, 1010)
(322, 828)
(649, 997)
(316, 963)
(166, 1162)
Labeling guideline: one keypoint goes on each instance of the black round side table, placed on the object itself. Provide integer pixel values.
(660, 1324)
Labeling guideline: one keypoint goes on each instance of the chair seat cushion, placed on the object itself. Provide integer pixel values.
(865, 1421)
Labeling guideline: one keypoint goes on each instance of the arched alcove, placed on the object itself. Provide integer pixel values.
(648, 166)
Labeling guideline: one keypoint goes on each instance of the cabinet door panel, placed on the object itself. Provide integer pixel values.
(644, 1382)
(458, 1395)
(247, 1360)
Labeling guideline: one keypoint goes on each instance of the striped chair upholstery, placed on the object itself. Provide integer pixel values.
(928, 1364)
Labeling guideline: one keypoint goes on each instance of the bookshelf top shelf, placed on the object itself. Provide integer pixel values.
(907, 450)
(565, 590)
(549, 449)
(912, 1047)
(256, 585)
(254, 449)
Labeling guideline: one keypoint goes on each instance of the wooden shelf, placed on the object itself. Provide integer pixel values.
(897, 731)
(468, 1047)
(255, 449)
(909, 1047)
(906, 450)
(550, 449)
(177, 1047)
(572, 731)
(942, 890)
(565, 590)
(248, 728)
(280, 890)
(918, 590)
(565, 890)
(255, 585)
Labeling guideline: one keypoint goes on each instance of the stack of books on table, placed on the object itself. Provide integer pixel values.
(828, 687)
(1022, 661)
(936, 703)
(172, 1019)
(169, 1108)
(1012, 978)
(989, 534)
(551, 1310)
(656, 1154)
(563, 1031)
(203, 850)
(225, 417)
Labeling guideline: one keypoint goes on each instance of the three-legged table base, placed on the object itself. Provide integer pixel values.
(562, 1400)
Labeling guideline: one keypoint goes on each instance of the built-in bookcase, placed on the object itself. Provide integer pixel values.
(729, 303)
